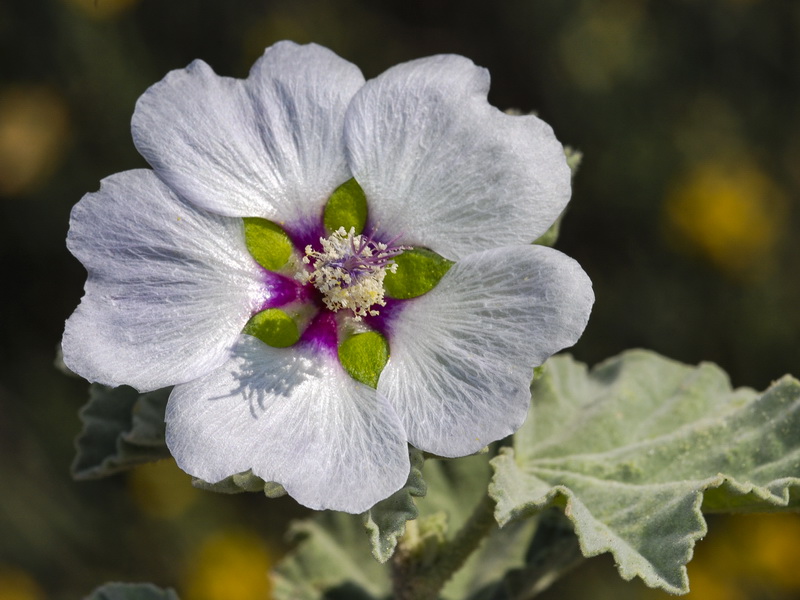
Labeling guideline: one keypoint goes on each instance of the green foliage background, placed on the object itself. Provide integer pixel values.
(688, 115)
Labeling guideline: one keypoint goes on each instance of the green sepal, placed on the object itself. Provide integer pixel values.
(240, 483)
(574, 159)
(274, 327)
(418, 272)
(634, 449)
(363, 356)
(267, 242)
(347, 207)
(131, 591)
(550, 237)
(386, 521)
(121, 429)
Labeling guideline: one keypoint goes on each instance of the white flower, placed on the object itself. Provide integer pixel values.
(172, 285)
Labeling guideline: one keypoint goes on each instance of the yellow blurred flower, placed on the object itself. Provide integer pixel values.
(33, 135)
(102, 9)
(16, 584)
(774, 548)
(230, 565)
(709, 585)
(732, 215)
(161, 489)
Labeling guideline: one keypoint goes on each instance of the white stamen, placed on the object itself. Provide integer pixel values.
(350, 271)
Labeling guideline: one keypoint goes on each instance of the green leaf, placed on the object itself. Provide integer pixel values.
(550, 237)
(635, 448)
(363, 356)
(386, 521)
(267, 242)
(331, 562)
(274, 327)
(333, 556)
(418, 272)
(131, 591)
(347, 207)
(240, 483)
(121, 429)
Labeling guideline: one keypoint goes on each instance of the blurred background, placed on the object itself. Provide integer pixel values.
(683, 213)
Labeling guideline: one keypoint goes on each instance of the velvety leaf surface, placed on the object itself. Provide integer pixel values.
(121, 429)
(332, 561)
(131, 591)
(386, 521)
(635, 448)
(333, 556)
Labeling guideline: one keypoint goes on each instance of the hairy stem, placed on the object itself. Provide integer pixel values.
(417, 579)
(553, 552)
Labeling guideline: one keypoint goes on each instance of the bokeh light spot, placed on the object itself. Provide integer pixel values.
(230, 565)
(731, 215)
(16, 584)
(33, 135)
(161, 489)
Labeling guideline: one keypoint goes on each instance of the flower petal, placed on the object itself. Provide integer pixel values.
(268, 146)
(447, 170)
(295, 417)
(462, 356)
(170, 286)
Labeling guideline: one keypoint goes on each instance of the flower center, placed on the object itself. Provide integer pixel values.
(349, 271)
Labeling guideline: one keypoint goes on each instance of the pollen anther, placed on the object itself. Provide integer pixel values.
(349, 271)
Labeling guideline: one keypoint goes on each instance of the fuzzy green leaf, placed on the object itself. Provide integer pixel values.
(635, 448)
(386, 521)
(131, 591)
(121, 429)
(331, 562)
(332, 558)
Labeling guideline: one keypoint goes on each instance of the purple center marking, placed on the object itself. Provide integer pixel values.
(282, 290)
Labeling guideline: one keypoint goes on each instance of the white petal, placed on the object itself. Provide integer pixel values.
(445, 169)
(170, 286)
(292, 416)
(268, 146)
(462, 356)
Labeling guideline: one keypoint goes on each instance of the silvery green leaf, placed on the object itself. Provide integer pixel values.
(332, 561)
(633, 450)
(386, 521)
(121, 429)
(333, 556)
(131, 591)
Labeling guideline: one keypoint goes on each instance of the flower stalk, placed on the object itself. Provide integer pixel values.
(415, 579)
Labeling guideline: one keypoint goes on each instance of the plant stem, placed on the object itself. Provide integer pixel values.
(553, 552)
(413, 580)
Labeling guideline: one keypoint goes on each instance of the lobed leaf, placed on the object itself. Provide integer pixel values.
(386, 521)
(121, 429)
(332, 559)
(635, 449)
